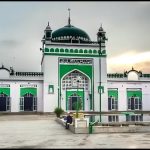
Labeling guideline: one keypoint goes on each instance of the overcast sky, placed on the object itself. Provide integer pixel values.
(127, 26)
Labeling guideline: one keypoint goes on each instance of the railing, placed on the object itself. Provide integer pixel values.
(145, 75)
(119, 75)
(116, 75)
(91, 124)
(29, 73)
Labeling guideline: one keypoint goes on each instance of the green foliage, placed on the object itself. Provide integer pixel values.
(58, 111)
(78, 105)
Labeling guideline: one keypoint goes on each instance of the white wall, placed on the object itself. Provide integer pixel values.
(146, 117)
(15, 93)
(15, 96)
(50, 78)
(104, 97)
(122, 93)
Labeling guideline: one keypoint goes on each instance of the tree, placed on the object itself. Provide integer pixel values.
(78, 106)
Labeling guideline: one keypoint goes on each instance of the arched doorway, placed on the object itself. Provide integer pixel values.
(75, 85)
(28, 102)
(4, 102)
(75, 102)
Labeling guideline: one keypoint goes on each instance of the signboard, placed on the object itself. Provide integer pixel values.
(28, 85)
(75, 61)
(82, 123)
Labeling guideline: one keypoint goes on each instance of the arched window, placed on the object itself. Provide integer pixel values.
(70, 81)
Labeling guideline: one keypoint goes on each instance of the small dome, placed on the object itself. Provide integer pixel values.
(70, 33)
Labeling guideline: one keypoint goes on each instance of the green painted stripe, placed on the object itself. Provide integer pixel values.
(92, 91)
(56, 49)
(82, 55)
(59, 89)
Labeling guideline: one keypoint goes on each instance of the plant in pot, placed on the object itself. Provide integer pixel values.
(58, 111)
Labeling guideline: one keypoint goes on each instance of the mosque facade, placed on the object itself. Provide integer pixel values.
(74, 71)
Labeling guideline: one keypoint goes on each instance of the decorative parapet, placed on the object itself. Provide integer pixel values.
(29, 73)
(74, 52)
(126, 74)
(119, 75)
(145, 75)
(116, 75)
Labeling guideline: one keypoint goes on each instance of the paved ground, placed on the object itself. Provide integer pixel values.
(41, 131)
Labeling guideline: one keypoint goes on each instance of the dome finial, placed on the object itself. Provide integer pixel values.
(2, 65)
(48, 23)
(101, 28)
(69, 16)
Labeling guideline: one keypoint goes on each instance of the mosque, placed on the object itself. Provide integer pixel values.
(74, 70)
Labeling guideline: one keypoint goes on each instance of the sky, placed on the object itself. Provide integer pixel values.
(127, 26)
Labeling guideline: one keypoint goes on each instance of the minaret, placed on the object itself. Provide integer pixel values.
(47, 36)
(101, 37)
(48, 32)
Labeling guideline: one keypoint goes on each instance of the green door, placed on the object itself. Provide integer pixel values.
(74, 97)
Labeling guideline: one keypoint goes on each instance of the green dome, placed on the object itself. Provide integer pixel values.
(68, 33)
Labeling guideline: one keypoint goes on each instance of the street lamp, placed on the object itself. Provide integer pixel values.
(77, 104)
(101, 38)
(58, 97)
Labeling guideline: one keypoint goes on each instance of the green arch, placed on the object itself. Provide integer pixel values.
(90, 51)
(52, 50)
(5, 91)
(61, 50)
(66, 50)
(86, 69)
(46, 49)
(113, 92)
(94, 51)
(57, 50)
(71, 50)
(76, 50)
(24, 91)
(85, 51)
(81, 51)
(133, 93)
